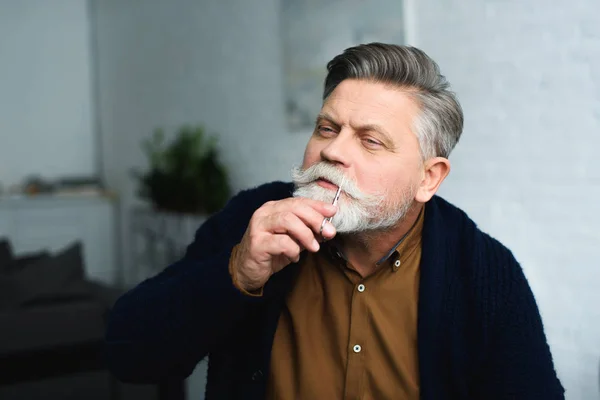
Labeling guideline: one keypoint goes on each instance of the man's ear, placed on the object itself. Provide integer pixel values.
(435, 170)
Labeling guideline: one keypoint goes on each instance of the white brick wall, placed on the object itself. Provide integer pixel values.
(528, 76)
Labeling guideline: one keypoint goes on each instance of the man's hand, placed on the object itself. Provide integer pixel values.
(277, 233)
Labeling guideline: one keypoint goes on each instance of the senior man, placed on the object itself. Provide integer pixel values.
(392, 293)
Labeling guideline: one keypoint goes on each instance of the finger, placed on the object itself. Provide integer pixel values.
(314, 220)
(289, 223)
(327, 230)
(323, 208)
(283, 245)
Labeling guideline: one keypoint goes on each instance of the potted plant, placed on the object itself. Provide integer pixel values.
(185, 175)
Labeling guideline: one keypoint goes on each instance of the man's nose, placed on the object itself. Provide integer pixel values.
(338, 150)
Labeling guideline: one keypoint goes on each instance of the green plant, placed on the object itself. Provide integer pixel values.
(185, 175)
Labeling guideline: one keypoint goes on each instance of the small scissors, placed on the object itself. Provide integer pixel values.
(335, 200)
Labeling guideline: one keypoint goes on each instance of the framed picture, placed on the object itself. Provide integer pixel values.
(314, 31)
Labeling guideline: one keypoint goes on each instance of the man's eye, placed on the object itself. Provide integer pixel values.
(371, 143)
(325, 130)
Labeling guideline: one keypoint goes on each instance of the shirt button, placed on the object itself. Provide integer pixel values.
(361, 288)
(397, 263)
(357, 348)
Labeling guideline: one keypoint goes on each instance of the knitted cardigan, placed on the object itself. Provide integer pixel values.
(480, 335)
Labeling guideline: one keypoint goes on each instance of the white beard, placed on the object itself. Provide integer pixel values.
(357, 212)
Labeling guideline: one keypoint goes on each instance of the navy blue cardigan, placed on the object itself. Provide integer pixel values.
(480, 335)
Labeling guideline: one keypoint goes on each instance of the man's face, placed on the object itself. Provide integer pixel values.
(365, 132)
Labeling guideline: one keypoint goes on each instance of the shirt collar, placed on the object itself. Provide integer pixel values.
(402, 248)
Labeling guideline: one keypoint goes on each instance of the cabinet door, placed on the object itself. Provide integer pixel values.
(56, 226)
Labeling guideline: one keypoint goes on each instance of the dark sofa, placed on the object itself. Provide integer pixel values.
(52, 325)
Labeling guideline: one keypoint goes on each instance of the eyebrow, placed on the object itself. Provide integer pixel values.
(368, 127)
(326, 117)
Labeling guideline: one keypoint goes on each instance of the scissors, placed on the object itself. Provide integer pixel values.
(335, 200)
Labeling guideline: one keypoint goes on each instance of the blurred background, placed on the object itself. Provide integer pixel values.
(125, 123)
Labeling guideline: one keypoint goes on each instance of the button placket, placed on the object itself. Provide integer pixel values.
(356, 340)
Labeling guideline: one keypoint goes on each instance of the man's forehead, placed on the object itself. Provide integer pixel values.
(371, 105)
(354, 121)
(368, 99)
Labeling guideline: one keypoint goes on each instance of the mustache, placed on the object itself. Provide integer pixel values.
(326, 171)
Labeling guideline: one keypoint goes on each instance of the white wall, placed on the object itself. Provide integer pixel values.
(528, 75)
(45, 90)
(168, 63)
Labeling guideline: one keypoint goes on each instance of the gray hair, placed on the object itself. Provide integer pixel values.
(440, 124)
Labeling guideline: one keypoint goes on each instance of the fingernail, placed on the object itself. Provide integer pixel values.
(315, 245)
(330, 207)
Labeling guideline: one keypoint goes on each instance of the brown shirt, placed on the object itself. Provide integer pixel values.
(344, 337)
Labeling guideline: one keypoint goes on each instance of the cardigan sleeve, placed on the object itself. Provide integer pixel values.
(165, 325)
(520, 365)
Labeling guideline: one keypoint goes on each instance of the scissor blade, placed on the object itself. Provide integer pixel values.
(337, 195)
(339, 191)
